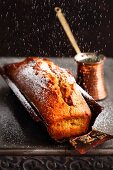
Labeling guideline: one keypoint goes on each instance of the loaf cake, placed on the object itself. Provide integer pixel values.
(53, 91)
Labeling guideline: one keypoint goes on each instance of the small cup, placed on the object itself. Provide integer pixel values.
(90, 74)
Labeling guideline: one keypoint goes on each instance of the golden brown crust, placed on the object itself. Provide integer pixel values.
(53, 91)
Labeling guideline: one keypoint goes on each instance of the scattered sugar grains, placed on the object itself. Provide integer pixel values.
(84, 17)
(104, 121)
(11, 131)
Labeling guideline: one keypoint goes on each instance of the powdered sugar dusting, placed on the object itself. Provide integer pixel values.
(30, 75)
(63, 74)
(70, 79)
(44, 66)
(39, 75)
(32, 82)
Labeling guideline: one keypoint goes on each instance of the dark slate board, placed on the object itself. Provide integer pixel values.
(20, 135)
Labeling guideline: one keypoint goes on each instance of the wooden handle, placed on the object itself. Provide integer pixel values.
(67, 29)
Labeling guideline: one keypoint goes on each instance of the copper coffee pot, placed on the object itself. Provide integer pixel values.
(90, 74)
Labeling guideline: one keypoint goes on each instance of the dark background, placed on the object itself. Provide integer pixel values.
(30, 27)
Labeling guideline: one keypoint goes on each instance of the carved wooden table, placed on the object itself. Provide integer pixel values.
(24, 144)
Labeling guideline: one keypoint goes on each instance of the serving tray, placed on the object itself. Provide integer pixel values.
(20, 135)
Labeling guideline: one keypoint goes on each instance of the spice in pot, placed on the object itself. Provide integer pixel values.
(93, 59)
